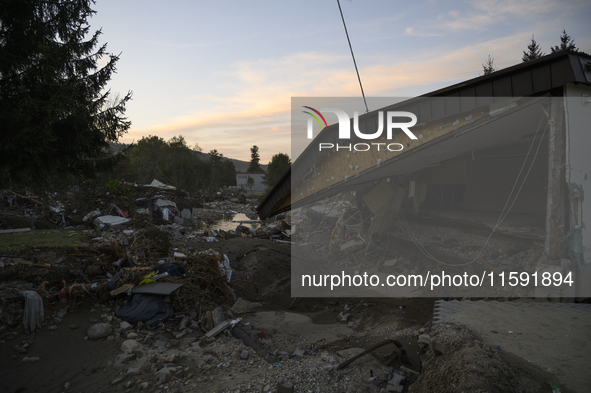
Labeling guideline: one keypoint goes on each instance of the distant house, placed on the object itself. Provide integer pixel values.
(242, 179)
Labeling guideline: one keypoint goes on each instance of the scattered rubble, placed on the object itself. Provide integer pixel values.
(171, 297)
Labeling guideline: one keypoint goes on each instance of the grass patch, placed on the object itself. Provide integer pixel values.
(42, 238)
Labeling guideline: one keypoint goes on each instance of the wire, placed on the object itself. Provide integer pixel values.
(352, 55)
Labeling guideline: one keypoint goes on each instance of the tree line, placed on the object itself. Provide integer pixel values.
(276, 168)
(176, 163)
(534, 51)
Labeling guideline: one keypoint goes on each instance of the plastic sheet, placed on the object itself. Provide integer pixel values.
(33, 314)
(150, 309)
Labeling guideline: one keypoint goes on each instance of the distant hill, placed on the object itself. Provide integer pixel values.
(241, 166)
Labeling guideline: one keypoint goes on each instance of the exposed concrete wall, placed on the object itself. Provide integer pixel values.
(578, 119)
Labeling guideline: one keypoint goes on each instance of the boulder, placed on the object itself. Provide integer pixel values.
(100, 330)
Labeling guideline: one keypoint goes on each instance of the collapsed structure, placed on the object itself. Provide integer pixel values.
(511, 144)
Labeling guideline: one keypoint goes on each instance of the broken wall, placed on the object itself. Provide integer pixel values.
(578, 119)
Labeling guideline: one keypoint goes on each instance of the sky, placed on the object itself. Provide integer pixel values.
(222, 73)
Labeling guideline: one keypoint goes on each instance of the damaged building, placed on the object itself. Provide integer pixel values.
(505, 153)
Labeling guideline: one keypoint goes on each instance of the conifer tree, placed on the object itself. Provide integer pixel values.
(55, 112)
(533, 51)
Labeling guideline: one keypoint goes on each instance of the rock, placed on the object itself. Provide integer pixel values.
(31, 359)
(125, 325)
(52, 327)
(116, 381)
(187, 341)
(74, 326)
(20, 349)
(243, 306)
(66, 385)
(284, 386)
(162, 374)
(144, 386)
(100, 330)
(424, 339)
(161, 341)
(438, 347)
(123, 358)
(186, 214)
(218, 316)
(132, 335)
(245, 355)
(184, 322)
(375, 380)
(133, 370)
(131, 346)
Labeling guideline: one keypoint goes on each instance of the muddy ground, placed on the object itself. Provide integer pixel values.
(69, 361)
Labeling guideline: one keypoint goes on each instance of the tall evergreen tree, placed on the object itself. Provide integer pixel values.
(255, 158)
(566, 42)
(55, 114)
(488, 67)
(533, 51)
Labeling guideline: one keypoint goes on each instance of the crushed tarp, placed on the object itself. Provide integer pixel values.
(150, 309)
(33, 314)
(173, 269)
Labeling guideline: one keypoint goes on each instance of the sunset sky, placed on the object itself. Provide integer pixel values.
(222, 73)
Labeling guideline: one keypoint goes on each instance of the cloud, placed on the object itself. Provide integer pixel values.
(411, 31)
(484, 14)
(254, 107)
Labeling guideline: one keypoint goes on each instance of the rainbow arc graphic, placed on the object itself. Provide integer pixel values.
(317, 119)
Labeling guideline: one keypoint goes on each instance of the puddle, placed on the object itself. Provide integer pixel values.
(230, 222)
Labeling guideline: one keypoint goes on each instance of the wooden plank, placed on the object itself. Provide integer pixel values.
(39, 264)
(17, 230)
(121, 289)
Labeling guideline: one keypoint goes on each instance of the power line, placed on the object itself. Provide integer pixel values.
(352, 55)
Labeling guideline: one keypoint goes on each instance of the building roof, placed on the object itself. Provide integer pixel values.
(545, 75)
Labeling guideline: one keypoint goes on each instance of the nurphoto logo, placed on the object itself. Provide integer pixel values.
(392, 123)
